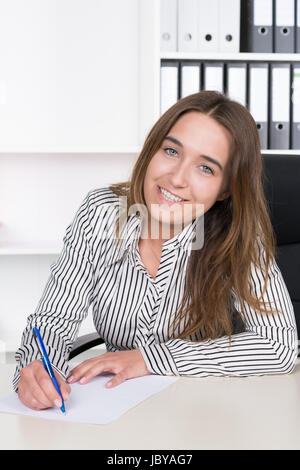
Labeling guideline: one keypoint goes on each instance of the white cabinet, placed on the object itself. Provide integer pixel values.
(69, 123)
(68, 75)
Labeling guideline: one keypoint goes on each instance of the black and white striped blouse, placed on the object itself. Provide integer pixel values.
(132, 310)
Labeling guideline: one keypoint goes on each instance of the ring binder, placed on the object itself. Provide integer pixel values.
(190, 78)
(214, 76)
(168, 25)
(257, 21)
(259, 98)
(237, 82)
(280, 106)
(168, 84)
(284, 26)
(229, 25)
(208, 26)
(295, 104)
(187, 25)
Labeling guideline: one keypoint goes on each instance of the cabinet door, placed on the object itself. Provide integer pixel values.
(68, 75)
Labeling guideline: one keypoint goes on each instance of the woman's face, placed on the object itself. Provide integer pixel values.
(189, 165)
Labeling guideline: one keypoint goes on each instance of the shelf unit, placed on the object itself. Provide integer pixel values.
(151, 57)
(68, 99)
(40, 193)
(69, 117)
(243, 56)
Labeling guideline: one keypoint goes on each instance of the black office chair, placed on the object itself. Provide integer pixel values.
(282, 189)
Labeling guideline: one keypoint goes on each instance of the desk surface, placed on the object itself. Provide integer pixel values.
(192, 413)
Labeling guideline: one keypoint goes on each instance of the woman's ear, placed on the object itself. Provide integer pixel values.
(223, 196)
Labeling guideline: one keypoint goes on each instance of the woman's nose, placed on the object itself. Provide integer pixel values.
(179, 176)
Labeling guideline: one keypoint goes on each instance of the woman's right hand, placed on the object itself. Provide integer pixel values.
(36, 390)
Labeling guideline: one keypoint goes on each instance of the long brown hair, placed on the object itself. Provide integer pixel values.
(236, 230)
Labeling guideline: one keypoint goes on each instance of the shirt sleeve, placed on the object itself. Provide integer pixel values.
(268, 345)
(66, 297)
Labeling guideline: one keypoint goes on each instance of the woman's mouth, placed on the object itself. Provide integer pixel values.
(168, 198)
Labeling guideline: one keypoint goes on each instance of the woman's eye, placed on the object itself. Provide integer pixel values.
(169, 149)
(207, 168)
(172, 152)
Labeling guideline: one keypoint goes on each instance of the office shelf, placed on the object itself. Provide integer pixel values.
(150, 63)
(69, 150)
(243, 56)
(34, 249)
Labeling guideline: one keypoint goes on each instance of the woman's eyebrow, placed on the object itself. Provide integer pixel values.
(206, 157)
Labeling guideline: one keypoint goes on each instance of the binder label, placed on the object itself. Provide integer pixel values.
(259, 93)
(285, 13)
(281, 95)
(262, 13)
(237, 84)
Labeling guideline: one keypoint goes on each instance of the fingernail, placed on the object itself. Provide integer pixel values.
(109, 384)
(57, 403)
(82, 380)
(70, 379)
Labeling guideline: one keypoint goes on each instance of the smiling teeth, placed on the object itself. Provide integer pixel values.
(170, 196)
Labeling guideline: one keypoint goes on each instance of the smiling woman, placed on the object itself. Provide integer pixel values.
(238, 235)
(163, 303)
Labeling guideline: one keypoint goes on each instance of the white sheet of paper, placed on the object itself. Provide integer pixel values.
(93, 402)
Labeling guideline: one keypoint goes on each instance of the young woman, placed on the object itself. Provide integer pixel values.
(169, 304)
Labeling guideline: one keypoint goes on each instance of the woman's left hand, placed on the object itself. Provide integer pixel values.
(124, 364)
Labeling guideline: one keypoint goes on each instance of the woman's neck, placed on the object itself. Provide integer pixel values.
(160, 232)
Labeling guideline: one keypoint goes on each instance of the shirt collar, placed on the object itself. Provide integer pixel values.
(182, 239)
(130, 235)
(128, 239)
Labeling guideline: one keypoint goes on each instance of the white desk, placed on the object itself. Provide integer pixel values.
(210, 413)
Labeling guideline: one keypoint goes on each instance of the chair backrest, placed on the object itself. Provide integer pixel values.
(282, 188)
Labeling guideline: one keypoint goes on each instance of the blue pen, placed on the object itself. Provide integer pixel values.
(47, 364)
